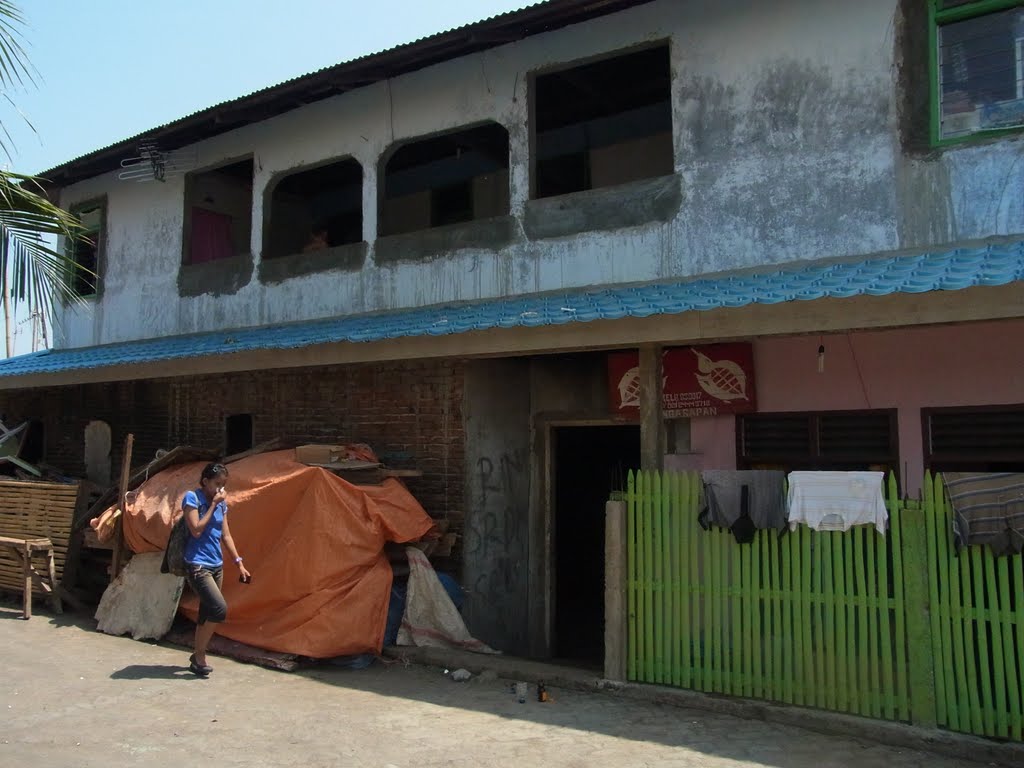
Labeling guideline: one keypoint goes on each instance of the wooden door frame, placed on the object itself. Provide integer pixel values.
(542, 603)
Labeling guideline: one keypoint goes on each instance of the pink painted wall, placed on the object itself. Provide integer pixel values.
(972, 364)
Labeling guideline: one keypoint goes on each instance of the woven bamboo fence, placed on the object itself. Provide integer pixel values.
(35, 509)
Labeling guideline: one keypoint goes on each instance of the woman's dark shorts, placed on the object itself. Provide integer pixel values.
(206, 581)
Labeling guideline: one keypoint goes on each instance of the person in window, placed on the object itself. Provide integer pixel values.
(317, 240)
(206, 514)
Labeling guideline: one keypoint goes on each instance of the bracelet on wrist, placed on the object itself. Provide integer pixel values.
(238, 560)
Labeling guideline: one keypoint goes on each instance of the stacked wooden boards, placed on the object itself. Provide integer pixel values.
(35, 509)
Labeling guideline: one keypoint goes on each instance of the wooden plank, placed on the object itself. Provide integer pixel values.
(866, 691)
(126, 463)
(736, 657)
(920, 662)
(941, 652)
(698, 605)
(668, 625)
(823, 684)
(978, 557)
(778, 629)
(748, 587)
(658, 584)
(786, 607)
(1018, 590)
(806, 651)
(677, 510)
(899, 614)
(953, 611)
(977, 725)
(713, 609)
(1007, 652)
(631, 586)
(944, 572)
(756, 586)
(652, 421)
(222, 646)
(875, 610)
(648, 521)
(388, 472)
(684, 521)
(766, 612)
(839, 585)
(993, 629)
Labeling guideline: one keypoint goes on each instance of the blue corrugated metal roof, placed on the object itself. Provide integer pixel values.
(991, 264)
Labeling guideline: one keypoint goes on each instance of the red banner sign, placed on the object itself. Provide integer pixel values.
(696, 381)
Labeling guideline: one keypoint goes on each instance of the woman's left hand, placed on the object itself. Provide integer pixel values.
(244, 573)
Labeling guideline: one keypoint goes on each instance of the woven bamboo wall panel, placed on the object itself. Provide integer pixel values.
(30, 509)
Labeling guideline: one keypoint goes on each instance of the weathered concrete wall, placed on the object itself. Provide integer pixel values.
(507, 406)
(496, 550)
(788, 146)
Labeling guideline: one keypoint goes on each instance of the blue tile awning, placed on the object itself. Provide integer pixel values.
(987, 265)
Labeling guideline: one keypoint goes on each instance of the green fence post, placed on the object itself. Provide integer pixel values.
(633, 577)
(919, 632)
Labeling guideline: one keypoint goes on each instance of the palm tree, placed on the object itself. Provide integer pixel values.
(33, 270)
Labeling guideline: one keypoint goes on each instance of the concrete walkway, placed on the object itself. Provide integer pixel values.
(74, 697)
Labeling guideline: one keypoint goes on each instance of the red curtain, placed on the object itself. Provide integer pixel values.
(211, 236)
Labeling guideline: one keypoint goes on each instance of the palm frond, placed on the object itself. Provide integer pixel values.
(35, 271)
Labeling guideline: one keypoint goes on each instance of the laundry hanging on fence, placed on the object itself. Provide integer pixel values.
(988, 509)
(836, 501)
(765, 502)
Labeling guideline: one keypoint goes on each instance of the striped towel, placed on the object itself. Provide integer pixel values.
(989, 509)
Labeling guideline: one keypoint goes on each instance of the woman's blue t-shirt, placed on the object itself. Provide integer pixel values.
(205, 549)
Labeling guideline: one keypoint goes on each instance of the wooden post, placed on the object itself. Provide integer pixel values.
(652, 425)
(26, 564)
(122, 491)
(615, 626)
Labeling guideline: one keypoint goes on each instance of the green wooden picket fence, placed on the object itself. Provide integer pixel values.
(977, 629)
(825, 619)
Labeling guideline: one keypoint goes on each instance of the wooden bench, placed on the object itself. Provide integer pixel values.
(27, 549)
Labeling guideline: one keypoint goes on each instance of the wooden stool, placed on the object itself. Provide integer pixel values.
(26, 549)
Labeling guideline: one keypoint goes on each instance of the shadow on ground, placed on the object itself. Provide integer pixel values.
(152, 672)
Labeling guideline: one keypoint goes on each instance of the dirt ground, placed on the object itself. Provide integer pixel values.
(74, 697)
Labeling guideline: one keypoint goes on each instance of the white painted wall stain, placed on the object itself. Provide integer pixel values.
(785, 142)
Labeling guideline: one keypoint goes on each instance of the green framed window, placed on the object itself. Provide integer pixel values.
(976, 68)
(87, 252)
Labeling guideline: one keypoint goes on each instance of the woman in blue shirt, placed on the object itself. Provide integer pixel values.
(206, 514)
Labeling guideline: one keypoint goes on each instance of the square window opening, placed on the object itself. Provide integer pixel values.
(447, 179)
(218, 213)
(603, 123)
(238, 433)
(315, 209)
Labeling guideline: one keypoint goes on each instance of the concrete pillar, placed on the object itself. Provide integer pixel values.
(652, 424)
(615, 585)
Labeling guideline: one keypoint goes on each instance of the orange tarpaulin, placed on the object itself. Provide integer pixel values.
(313, 542)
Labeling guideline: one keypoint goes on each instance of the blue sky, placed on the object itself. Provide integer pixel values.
(110, 69)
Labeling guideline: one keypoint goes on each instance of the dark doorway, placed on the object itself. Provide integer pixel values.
(237, 433)
(590, 463)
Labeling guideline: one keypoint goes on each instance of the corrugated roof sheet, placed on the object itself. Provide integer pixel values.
(991, 264)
